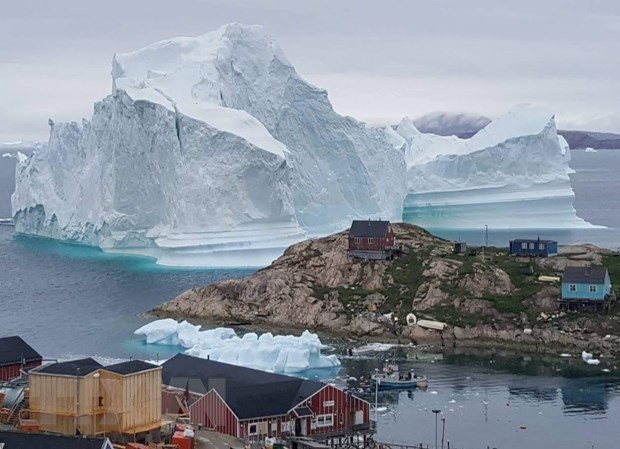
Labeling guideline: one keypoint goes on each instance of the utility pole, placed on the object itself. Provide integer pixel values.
(436, 412)
(376, 395)
(443, 430)
(77, 402)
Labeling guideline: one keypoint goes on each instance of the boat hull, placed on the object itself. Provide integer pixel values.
(387, 384)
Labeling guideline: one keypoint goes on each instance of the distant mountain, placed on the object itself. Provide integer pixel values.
(23, 146)
(451, 124)
(585, 139)
(465, 125)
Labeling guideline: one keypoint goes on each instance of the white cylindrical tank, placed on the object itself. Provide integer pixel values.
(411, 319)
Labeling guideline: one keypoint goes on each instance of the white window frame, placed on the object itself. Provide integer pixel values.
(593, 289)
(326, 420)
(371, 240)
(255, 429)
(572, 287)
(523, 245)
(356, 239)
(541, 246)
(532, 245)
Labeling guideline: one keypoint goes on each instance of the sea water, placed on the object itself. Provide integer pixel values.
(71, 301)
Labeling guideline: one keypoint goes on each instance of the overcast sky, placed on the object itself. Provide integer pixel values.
(379, 60)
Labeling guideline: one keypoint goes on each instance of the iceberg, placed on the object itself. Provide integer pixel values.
(513, 173)
(214, 151)
(280, 353)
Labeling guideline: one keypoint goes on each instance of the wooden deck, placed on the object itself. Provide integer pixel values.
(588, 305)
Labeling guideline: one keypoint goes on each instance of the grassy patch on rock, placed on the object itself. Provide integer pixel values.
(402, 279)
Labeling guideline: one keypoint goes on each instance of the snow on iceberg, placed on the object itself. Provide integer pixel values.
(280, 353)
(213, 151)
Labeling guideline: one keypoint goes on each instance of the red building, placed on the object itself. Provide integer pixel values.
(15, 355)
(251, 404)
(371, 240)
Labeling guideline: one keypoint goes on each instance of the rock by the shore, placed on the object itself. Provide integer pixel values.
(483, 299)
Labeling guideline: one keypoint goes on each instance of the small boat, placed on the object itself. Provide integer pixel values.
(392, 379)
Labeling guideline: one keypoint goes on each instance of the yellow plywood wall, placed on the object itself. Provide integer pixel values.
(108, 402)
(54, 401)
(142, 400)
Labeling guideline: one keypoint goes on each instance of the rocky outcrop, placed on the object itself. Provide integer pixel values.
(486, 299)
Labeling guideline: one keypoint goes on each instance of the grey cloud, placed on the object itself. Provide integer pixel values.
(379, 60)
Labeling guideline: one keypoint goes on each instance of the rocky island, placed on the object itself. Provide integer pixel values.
(485, 298)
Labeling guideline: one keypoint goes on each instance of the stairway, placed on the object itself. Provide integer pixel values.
(14, 414)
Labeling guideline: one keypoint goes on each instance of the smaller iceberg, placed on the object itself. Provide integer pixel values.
(279, 353)
(590, 150)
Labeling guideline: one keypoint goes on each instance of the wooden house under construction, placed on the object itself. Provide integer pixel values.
(82, 395)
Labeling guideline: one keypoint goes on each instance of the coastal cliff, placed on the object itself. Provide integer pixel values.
(485, 298)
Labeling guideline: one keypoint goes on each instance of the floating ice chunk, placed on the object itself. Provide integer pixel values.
(593, 361)
(433, 392)
(381, 409)
(280, 353)
(586, 355)
(590, 150)
(565, 355)
(606, 370)
(452, 401)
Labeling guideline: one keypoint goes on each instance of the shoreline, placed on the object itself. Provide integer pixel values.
(486, 299)
(447, 340)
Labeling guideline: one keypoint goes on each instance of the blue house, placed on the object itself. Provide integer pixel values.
(533, 247)
(587, 286)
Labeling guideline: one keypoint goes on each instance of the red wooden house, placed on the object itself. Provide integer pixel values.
(371, 240)
(251, 404)
(15, 355)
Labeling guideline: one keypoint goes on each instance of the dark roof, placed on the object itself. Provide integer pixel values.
(533, 241)
(369, 228)
(14, 349)
(130, 367)
(302, 412)
(248, 392)
(70, 368)
(20, 440)
(584, 275)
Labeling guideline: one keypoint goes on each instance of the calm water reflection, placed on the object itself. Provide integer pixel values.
(500, 399)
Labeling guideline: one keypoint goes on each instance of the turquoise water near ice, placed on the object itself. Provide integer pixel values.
(72, 300)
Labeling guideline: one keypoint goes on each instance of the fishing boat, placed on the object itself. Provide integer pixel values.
(391, 378)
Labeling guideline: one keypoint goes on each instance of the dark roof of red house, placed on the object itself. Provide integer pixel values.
(248, 392)
(22, 440)
(369, 228)
(584, 275)
(14, 349)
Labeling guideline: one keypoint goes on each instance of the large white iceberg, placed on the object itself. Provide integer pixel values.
(280, 353)
(513, 173)
(213, 151)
